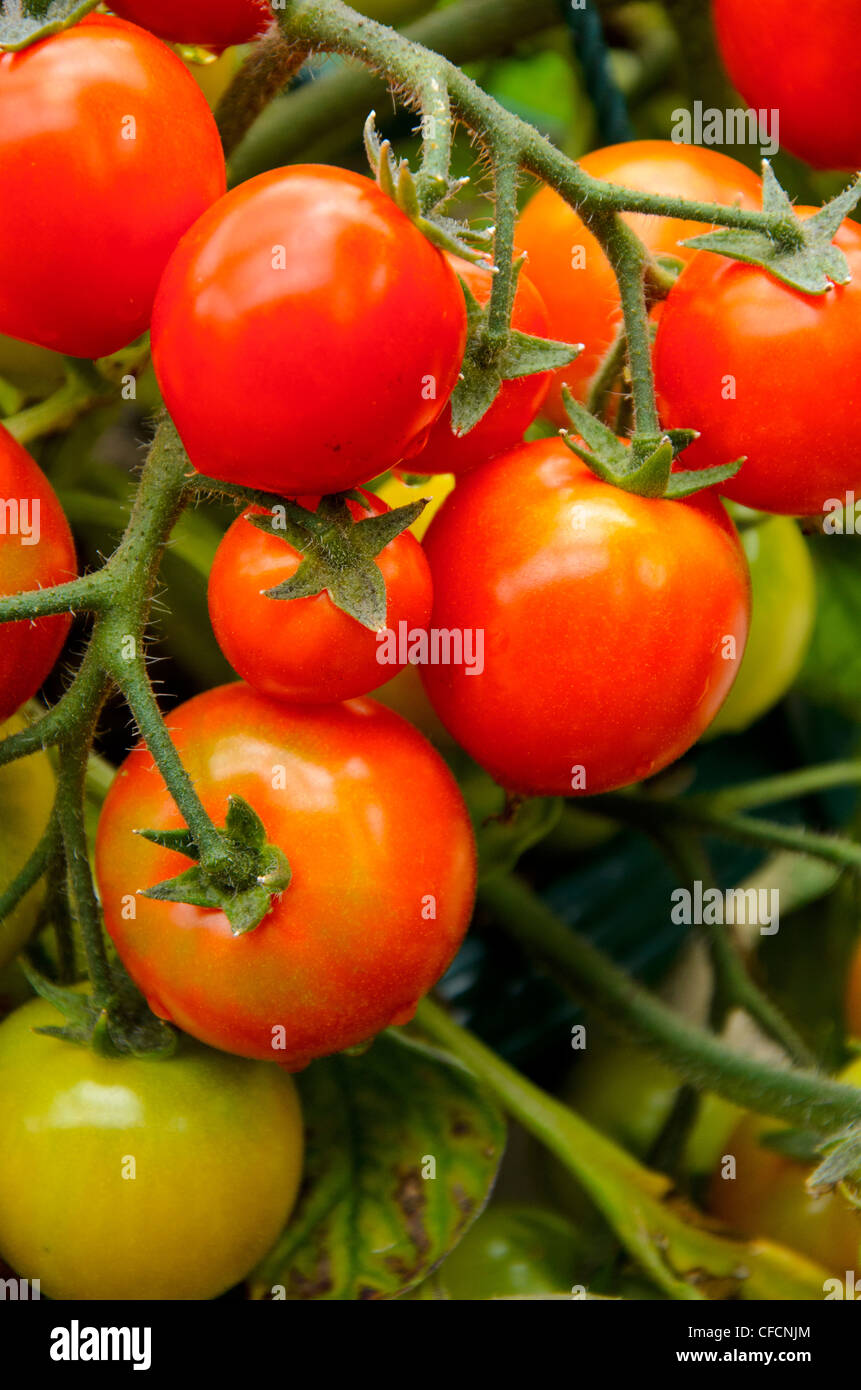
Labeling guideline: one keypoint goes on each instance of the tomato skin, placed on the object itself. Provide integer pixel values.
(26, 797)
(199, 21)
(346, 950)
(217, 1149)
(853, 996)
(513, 1252)
(320, 372)
(583, 303)
(29, 650)
(518, 402)
(593, 657)
(307, 649)
(767, 1197)
(722, 320)
(783, 608)
(803, 61)
(89, 215)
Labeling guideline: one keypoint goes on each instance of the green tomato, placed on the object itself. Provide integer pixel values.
(26, 797)
(512, 1252)
(783, 611)
(127, 1178)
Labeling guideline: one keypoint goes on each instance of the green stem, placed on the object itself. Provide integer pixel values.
(267, 70)
(787, 786)
(505, 280)
(802, 1097)
(84, 595)
(607, 374)
(32, 871)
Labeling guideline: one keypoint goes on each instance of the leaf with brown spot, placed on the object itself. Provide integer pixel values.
(368, 1224)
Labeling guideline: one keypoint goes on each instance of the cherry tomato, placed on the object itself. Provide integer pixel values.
(730, 336)
(127, 1178)
(213, 25)
(36, 551)
(783, 607)
(308, 648)
(369, 921)
(767, 1197)
(803, 61)
(568, 266)
(325, 325)
(612, 624)
(518, 402)
(26, 796)
(513, 1252)
(853, 996)
(108, 153)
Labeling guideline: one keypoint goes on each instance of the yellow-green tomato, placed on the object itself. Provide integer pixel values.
(126, 1178)
(783, 609)
(26, 798)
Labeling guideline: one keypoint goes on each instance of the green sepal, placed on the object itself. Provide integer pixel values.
(801, 1145)
(397, 181)
(339, 554)
(645, 467)
(37, 20)
(180, 841)
(809, 262)
(482, 374)
(843, 1160)
(122, 1027)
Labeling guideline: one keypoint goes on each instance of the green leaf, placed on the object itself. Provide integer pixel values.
(810, 262)
(22, 22)
(843, 1161)
(371, 1223)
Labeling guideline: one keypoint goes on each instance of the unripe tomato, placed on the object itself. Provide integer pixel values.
(519, 400)
(26, 798)
(371, 919)
(108, 153)
(127, 1178)
(612, 624)
(513, 1252)
(36, 551)
(768, 1197)
(308, 648)
(730, 336)
(211, 23)
(803, 61)
(783, 607)
(327, 328)
(569, 268)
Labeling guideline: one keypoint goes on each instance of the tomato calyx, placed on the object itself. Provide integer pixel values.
(398, 182)
(802, 255)
(37, 20)
(120, 1026)
(243, 886)
(485, 367)
(645, 465)
(339, 553)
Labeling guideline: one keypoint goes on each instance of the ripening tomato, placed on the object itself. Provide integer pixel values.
(732, 342)
(108, 153)
(308, 648)
(568, 266)
(853, 997)
(326, 326)
(804, 62)
(397, 493)
(783, 609)
(36, 551)
(519, 400)
(370, 920)
(26, 797)
(612, 625)
(215, 24)
(768, 1197)
(127, 1178)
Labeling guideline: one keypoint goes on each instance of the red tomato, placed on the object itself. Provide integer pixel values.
(308, 648)
(108, 153)
(36, 551)
(803, 61)
(749, 362)
(607, 621)
(518, 402)
(327, 328)
(566, 261)
(368, 923)
(212, 23)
